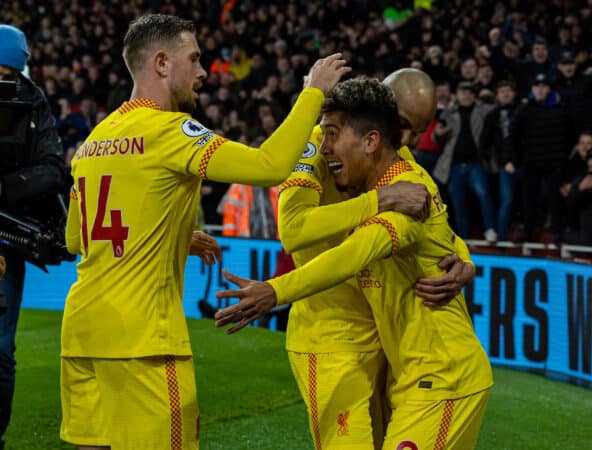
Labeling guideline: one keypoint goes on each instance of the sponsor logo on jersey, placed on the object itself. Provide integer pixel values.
(205, 139)
(306, 168)
(193, 128)
(310, 151)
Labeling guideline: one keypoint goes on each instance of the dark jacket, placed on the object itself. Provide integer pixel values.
(495, 136)
(29, 183)
(538, 133)
(576, 93)
(579, 207)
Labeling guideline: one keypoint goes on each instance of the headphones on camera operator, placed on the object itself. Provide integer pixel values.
(40, 240)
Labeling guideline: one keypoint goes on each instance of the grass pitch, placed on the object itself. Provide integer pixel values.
(248, 399)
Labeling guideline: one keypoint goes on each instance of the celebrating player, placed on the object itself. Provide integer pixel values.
(127, 375)
(332, 338)
(442, 375)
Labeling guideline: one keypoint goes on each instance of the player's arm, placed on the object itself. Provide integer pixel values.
(73, 244)
(382, 235)
(460, 271)
(273, 161)
(302, 222)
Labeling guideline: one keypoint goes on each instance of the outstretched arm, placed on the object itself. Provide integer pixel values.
(334, 266)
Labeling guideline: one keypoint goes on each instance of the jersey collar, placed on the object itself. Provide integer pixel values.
(137, 103)
(396, 169)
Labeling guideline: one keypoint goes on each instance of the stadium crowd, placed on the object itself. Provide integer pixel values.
(514, 87)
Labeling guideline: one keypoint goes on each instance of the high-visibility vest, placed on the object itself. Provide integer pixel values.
(237, 210)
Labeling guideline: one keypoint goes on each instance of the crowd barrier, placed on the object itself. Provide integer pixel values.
(529, 313)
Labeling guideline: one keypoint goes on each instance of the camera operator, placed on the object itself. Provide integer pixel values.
(32, 171)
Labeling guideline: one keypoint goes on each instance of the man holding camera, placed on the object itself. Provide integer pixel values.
(32, 174)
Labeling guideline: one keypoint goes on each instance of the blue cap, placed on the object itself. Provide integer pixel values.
(13, 47)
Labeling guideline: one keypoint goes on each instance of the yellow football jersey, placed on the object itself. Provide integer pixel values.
(433, 352)
(337, 319)
(132, 210)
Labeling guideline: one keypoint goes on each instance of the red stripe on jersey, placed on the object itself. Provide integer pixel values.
(175, 404)
(203, 164)
(444, 425)
(299, 182)
(390, 228)
(312, 393)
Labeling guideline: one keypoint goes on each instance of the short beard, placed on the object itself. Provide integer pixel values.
(188, 107)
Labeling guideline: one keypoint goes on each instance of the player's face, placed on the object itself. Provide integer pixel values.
(345, 152)
(414, 119)
(187, 73)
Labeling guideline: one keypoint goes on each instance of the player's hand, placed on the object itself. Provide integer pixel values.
(439, 291)
(256, 298)
(206, 247)
(326, 72)
(411, 199)
(2, 266)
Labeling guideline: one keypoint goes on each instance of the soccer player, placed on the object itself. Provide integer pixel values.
(332, 338)
(441, 373)
(127, 375)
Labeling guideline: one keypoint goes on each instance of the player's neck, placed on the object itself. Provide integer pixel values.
(387, 159)
(156, 94)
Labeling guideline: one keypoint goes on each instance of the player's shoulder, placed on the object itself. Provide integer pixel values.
(311, 161)
(181, 127)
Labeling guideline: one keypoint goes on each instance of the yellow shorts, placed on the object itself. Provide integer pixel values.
(437, 425)
(130, 404)
(342, 393)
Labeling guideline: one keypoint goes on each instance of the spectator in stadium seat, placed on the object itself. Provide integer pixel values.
(432, 372)
(538, 142)
(428, 150)
(132, 329)
(461, 165)
(494, 146)
(575, 90)
(540, 64)
(579, 203)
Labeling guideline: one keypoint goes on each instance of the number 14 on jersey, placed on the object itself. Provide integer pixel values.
(117, 233)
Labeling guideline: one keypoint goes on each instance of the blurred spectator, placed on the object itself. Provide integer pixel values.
(461, 166)
(575, 90)
(539, 64)
(576, 162)
(580, 207)
(250, 211)
(494, 146)
(564, 44)
(538, 141)
(428, 149)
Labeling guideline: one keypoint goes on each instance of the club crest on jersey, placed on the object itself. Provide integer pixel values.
(310, 151)
(193, 128)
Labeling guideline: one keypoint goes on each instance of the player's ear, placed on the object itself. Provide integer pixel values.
(372, 141)
(161, 63)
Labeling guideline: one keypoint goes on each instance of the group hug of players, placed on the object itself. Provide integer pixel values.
(381, 343)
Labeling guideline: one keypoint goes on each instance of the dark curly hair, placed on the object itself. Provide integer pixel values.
(148, 30)
(367, 105)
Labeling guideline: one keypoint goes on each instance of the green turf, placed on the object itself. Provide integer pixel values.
(249, 400)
